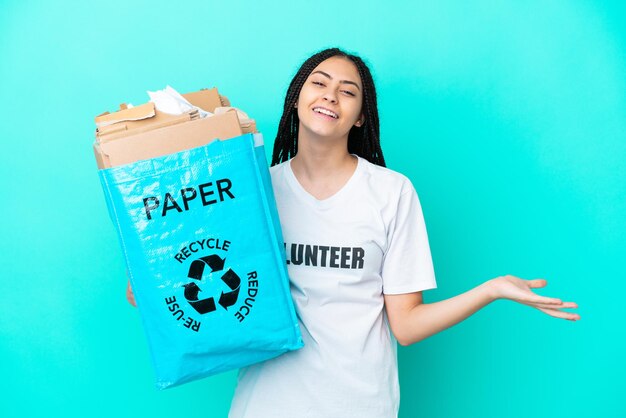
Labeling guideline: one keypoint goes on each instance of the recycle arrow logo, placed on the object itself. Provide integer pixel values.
(230, 278)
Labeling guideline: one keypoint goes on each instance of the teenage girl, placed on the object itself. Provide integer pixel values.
(358, 257)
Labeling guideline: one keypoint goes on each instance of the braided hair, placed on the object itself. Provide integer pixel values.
(363, 141)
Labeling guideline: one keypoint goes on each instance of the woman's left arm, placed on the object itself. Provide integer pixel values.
(412, 321)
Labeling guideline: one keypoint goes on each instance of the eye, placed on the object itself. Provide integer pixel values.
(318, 83)
(348, 92)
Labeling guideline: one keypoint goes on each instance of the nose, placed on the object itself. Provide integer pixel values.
(329, 95)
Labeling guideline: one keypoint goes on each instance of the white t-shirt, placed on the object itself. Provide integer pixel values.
(343, 253)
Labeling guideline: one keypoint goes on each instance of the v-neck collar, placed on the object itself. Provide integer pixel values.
(329, 201)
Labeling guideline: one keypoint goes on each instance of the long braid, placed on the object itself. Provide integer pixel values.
(363, 141)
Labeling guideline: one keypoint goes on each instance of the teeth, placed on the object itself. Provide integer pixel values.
(325, 112)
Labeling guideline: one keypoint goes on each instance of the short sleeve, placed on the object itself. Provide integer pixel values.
(407, 263)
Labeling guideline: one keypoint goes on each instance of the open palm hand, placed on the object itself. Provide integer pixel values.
(519, 290)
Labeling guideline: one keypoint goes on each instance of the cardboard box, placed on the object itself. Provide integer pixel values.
(142, 132)
(206, 99)
(167, 140)
(146, 118)
(129, 121)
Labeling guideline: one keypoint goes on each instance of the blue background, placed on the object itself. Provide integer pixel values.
(509, 118)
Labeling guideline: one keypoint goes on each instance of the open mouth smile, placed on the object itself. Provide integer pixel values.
(326, 112)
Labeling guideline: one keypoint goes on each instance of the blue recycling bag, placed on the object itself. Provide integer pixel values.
(204, 250)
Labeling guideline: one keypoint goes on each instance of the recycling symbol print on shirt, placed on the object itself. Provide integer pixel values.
(196, 271)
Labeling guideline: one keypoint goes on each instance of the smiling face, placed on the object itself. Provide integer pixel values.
(330, 100)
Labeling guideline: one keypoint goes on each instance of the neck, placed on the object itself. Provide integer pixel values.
(322, 157)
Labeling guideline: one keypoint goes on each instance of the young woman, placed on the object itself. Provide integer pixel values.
(358, 257)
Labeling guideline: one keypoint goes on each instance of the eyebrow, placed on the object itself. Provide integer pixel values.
(341, 81)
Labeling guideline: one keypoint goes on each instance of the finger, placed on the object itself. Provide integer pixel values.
(560, 314)
(536, 299)
(536, 283)
(131, 299)
(129, 295)
(564, 305)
